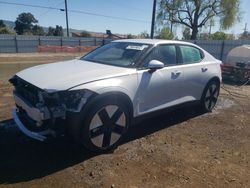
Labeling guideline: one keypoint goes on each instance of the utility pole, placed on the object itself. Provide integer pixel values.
(67, 22)
(153, 20)
(171, 16)
(210, 27)
(245, 29)
(171, 26)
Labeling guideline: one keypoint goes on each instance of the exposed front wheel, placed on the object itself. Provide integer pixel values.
(105, 125)
(210, 96)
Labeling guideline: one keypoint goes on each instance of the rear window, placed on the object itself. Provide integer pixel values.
(190, 54)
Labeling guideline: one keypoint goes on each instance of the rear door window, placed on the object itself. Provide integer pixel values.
(190, 54)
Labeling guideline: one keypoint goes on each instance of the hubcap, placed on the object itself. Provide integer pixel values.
(107, 126)
(211, 96)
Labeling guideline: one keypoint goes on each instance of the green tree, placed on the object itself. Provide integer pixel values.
(195, 14)
(204, 36)
(2, 24)
(5, 30)
(130, 36)
(58, 31)
(37, 30)
(24, 23)
(144, 35)
(222, 36)
(245, 35)
(51, 31)
(165, 33)
(85, 34)
(186, 33)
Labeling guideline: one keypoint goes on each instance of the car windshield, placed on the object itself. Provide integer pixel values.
(123, 54)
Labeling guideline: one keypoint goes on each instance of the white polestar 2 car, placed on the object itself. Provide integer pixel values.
(95, 98)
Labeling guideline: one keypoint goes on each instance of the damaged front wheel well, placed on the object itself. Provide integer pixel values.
(115, 95)
(74, 120)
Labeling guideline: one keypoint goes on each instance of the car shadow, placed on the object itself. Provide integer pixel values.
(22, 159)
(161, 120)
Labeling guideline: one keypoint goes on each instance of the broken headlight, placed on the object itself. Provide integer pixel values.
(75, 99)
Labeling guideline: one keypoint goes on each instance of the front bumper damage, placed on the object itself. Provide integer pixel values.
(37, 123)
(36, 114)
(42, 115)
(41, 136)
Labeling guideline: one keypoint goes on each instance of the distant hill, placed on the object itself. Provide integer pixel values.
(11, 24)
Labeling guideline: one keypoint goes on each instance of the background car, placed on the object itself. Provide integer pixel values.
(95, 99)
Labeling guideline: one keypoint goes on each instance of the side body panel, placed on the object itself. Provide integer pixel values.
(160, 89)
(163, 88)
(197, 76)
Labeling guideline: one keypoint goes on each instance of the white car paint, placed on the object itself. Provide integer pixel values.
(141, 86)
(67, 74)
(148, 91)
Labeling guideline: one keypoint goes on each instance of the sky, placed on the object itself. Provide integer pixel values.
(140, 11)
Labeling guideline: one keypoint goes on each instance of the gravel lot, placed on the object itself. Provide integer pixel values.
(183, 148)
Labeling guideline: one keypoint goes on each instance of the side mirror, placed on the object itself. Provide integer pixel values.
(155, 64)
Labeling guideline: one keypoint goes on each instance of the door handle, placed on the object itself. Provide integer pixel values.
(204, 69)
(175, 74)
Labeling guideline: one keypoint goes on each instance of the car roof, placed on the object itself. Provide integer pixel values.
(153, 41)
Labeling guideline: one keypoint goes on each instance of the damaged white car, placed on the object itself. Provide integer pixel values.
(95, 98)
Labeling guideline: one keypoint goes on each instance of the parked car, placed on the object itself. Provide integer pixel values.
(95, 98)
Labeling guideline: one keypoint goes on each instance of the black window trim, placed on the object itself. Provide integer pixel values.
(139, 62)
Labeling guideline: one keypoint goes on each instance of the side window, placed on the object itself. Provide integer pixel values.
(167, 54)
(164, 53)
(190, 54)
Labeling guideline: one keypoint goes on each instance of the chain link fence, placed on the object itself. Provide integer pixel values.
(22, 44)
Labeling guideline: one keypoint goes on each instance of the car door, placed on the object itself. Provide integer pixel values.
(195, 70)
(163, 87)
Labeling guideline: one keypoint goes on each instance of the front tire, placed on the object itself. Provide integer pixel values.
(210, 96)
(105, 125)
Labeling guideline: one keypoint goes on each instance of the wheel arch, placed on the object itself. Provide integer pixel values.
(97, 103)
(215, 78)
(74, 119)
(117, 95)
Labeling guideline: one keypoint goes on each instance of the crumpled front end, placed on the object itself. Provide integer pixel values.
(41, 114)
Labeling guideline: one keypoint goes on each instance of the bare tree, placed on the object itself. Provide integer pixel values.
(194, 14)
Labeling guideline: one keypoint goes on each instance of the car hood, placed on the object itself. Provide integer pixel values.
(67, 74)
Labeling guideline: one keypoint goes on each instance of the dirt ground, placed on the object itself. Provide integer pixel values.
(183, 148)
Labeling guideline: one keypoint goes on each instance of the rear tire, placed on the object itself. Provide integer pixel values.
(105, 124)
(210, 96)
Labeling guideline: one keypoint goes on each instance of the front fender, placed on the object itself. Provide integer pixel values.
(125, 84)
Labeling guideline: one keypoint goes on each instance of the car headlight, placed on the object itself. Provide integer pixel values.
(75, 99)
(72, 100)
